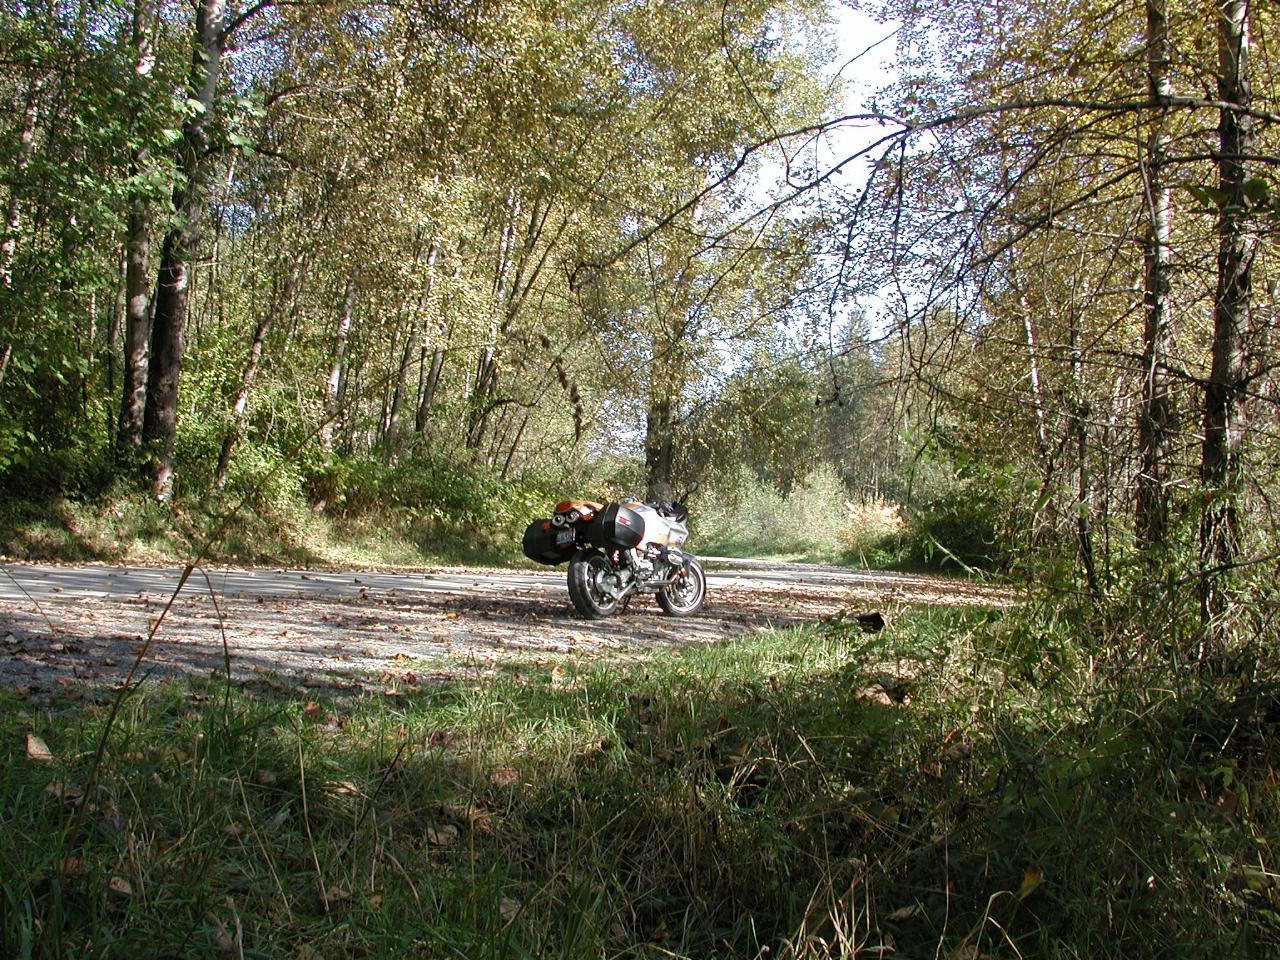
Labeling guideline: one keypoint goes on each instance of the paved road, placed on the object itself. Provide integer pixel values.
(80, 627)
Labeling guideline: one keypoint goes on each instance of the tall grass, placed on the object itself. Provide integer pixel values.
(816, 520)
(961, 785)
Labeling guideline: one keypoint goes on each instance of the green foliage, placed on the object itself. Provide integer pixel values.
(964, 527)
(435, 490)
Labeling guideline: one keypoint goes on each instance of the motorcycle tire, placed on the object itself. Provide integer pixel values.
(589, 598)
(684, 597)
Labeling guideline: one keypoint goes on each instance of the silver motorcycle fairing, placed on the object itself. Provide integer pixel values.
(659, 530)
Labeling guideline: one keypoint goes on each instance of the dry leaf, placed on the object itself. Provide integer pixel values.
(66, 792)
(334, 894)
(903, 913)
(222, 938)
(509, 909)
(504, 777)
(443, 835)
(121, 886)
(312, 710)
(264, 778)
(37, 749)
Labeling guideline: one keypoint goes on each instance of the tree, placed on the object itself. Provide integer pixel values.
(1226, 391)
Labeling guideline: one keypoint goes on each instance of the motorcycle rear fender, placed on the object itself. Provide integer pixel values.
(586, 508)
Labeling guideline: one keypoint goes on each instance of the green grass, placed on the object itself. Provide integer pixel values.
(134, 528)
(962, 785)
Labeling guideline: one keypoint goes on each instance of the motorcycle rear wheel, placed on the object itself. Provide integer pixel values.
(585, 589)
(684, 597)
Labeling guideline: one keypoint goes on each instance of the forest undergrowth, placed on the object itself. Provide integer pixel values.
(964, 784)
(359, 513)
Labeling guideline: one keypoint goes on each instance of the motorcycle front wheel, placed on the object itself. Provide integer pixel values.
(587, 571)
(684, 597)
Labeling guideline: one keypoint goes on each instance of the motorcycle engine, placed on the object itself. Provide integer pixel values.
(641, 563)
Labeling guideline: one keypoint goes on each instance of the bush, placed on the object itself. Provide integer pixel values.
(754, 518)
(960, 528)
(872, 533)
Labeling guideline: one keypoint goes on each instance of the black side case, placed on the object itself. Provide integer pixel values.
(540, 543)
(616, 527)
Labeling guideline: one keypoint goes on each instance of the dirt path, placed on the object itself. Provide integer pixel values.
(78, 628)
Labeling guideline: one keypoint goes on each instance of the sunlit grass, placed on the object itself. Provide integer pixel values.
(962, 784)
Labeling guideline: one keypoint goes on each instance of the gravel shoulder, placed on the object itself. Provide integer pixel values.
(76, 629)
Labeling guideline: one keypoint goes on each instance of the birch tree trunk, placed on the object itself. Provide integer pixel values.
(1155, 411)
(137, 279)
(240, 407)
(335, 382)
(13, 211)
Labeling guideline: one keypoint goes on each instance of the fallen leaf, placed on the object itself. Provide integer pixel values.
(121, 886)
(334, 894)
(443, 835)
(1032, 877)
(72, 865)
(312, 709)
(903, 913)
(66, 792)
(505, 777)
(509, 909)
(37, 749)
(222, 938)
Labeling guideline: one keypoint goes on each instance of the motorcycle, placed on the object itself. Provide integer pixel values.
(617, 550)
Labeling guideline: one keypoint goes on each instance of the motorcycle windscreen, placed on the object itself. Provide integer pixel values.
(616, 527)
(546, 543)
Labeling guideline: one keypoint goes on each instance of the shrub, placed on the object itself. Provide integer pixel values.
(753, 517)
(960, 528)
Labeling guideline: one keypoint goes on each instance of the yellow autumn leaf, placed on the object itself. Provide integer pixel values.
(1032, 877)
